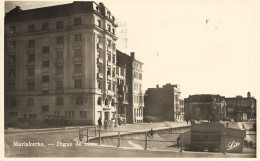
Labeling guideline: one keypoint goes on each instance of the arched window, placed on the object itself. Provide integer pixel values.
(79, 101)
(99, 101)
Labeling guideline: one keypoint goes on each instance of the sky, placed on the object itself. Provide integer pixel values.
(205, 46)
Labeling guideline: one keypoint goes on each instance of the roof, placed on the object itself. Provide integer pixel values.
(19, 15)
(205, 98)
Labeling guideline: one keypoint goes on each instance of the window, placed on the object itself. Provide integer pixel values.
(12, 44)
(56, 113)
(108, 28)
(77, 52)
(77, 83)
(113, 31)
(13, 102)
(59, 54)
(83, 114)
(114, 72)
(77, 37)
(59, 24)
(109, 43)
(109, 85)
(46, 49)
(59, 84)
(99, 83)
(59, 101)
(31, 43)
(60, 40)
(109, 56)
(79, 101)
(99, 68)
(31, 58)
(108, 71)
(114, 87)
(30, 71)
(45, 63)
(31, 86)
(122, 72)
(69, 114)
(77, 21)
(99, 101)
(106, 101)
(98, 39)
(12, 30)
(12, 73)
(13, 114)
(45, 108)
(99, 23)
(11, 86)
(45, 26)
(45, 78)
(77, 68)
(99, 55)
(59, 69)
(140, 76)
(31, 28)
(30, 102)
(113, 59)
(12, 59)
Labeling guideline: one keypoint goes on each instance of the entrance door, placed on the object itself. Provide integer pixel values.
(107, 116)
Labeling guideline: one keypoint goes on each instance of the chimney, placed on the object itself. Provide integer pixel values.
(248, 94)
(157, 85)
(133, 55)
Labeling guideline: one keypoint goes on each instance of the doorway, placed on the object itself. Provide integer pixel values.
(107, 116)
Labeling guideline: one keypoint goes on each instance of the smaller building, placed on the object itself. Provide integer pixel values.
(163, 102)
(205, 107)
(241, 108)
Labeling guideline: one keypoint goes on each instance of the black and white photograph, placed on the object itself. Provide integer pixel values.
(130, 79)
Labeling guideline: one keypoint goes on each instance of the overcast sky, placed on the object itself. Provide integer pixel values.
(205, 46)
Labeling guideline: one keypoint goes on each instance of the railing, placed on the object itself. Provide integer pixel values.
(217, 142)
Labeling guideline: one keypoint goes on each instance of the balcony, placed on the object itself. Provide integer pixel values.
(77, 44)
(109, 63)
(114, 79)
(30, 77)
(77, 59)
(59, 46)
(58, 76)
(100, 60)
(58, 61)
(100, 75)
(30, 63)
(46, 70)
(77, 75)
(99, 46)
(30, 49)
(109, 77)
(45, 55)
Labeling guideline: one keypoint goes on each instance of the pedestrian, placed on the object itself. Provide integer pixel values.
(99, 123)
(111, 124)
(227, 124)
(119, 121)
(105, 125)
(187, 121)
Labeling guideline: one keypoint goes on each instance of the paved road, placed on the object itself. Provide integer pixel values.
(51, 139)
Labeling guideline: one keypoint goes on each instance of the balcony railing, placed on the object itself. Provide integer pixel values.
(58, 61)
(58, 76)
(77, 75)
(46, 55)
(77, 59)
(77, 44)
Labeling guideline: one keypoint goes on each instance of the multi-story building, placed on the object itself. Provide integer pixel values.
(163, 102)
(61, 60)
(241, 108)
(134, 111)
(205, 107)
(122, 92)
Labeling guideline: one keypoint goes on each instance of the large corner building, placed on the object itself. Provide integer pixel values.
(61, 60)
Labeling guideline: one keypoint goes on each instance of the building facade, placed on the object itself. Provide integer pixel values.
(61, 60)
(134, 110)
(241, 108)
(163, 102)
(205, 107)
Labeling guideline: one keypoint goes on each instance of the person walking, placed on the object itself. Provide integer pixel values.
(99, 123)
(227, 124)
(111, 124)
(105, 125)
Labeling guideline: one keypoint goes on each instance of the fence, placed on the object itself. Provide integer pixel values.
(167, 139)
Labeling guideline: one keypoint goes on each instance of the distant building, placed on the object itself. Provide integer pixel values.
(163, 102)
(205, 106)
(241, 108)
(60, 60)
(134, 74)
